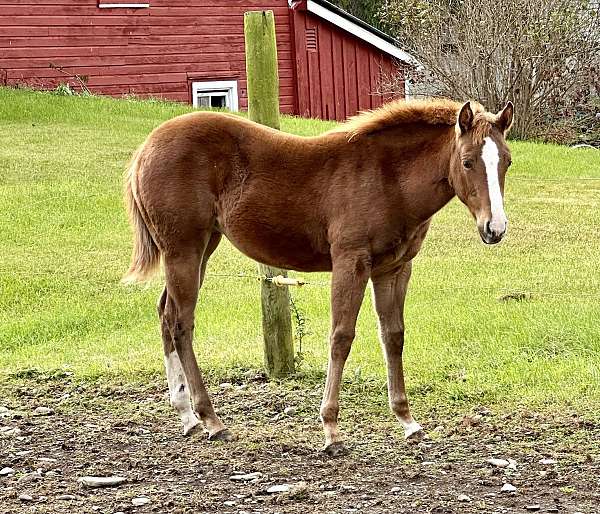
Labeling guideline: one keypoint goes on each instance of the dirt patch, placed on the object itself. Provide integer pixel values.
(106, 430)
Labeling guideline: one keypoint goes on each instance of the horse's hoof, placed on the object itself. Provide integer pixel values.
(414, 433)
(335, 450)
(221, 435)
(191, 429)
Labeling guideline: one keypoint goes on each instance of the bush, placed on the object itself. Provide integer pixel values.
(578, 125)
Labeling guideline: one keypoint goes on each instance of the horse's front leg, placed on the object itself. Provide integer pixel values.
(349, 278)
(389, 291)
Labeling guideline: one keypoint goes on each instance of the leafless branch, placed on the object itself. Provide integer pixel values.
(544, 55)
(80, 79)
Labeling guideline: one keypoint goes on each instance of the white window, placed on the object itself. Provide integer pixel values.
(221, 93)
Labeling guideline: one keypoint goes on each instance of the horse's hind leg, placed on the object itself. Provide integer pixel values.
(184, 273)
(179, 393)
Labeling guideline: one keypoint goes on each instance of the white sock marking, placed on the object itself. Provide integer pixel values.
(411, 429)
(179, 392)
(491, 159)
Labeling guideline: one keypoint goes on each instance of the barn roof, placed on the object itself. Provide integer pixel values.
(355, 26)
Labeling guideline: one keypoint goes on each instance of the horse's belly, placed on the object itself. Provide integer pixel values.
(278, 248)
(281, 230)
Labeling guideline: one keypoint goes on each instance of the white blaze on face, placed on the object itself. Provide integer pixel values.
(491, 159)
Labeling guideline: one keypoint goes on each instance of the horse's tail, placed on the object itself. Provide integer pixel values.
(145, 257)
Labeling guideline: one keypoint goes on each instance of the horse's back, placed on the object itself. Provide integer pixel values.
(212, 171)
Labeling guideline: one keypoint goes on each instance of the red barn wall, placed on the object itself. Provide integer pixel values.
(156, 51)
(338, 73)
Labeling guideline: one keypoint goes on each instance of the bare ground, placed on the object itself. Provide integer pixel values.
(102, 430)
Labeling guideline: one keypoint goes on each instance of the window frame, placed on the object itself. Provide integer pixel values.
(230, 87)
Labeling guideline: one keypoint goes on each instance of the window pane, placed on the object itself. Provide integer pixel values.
(218, 101)
(203, 101)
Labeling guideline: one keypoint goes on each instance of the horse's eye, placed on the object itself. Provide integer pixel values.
(509, 163)
(467, 164)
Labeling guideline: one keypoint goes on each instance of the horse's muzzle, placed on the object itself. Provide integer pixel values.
(490, 234)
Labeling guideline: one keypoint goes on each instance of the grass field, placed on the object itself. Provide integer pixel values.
(65, 243)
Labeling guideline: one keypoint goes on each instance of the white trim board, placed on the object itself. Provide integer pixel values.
(359, 32)
(123, 6)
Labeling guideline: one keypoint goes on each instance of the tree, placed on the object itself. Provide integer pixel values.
(364, 10)
(544, 55)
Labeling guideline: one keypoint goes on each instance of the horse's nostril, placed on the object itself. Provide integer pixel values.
(487, 228)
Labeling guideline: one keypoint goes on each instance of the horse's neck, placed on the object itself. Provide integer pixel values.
(427, 184)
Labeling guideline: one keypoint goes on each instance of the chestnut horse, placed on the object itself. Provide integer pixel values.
(356, 201)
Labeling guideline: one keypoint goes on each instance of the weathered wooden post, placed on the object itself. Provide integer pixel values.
(263, 107)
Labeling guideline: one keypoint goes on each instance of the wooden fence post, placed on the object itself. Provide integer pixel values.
(263, 107)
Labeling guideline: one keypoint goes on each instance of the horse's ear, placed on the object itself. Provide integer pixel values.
(505, 117)
(465, 118)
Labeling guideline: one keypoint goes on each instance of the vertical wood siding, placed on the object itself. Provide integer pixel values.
(156, 52)
(341, 76)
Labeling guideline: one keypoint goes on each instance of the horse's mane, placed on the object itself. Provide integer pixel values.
(428, 111)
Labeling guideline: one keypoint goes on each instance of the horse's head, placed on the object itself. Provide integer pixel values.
(479, 166)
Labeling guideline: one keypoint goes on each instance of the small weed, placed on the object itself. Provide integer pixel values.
(64, 89)
(566, 489)
(517, 296)
(300, 331)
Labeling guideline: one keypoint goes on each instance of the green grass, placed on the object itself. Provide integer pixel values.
(65, 243)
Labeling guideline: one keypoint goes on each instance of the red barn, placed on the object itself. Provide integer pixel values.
(330, 63)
